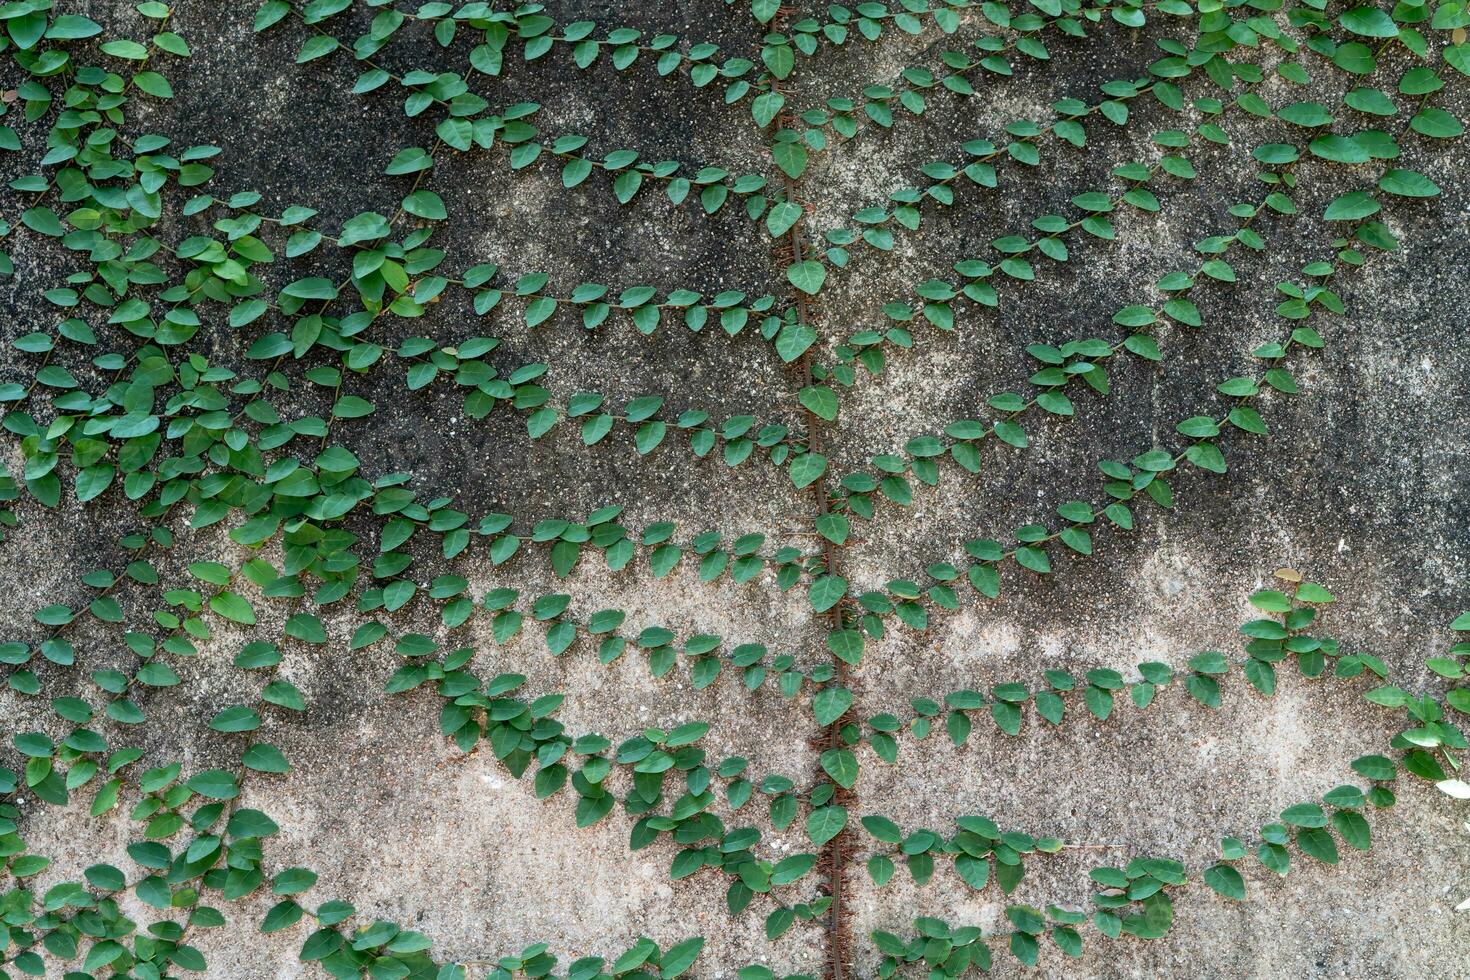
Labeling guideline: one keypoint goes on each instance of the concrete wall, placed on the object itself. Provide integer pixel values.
(1361, 486)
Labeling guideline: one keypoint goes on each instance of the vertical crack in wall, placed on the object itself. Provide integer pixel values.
(833, 858)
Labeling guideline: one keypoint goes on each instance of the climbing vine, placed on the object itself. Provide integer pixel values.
(176, 327)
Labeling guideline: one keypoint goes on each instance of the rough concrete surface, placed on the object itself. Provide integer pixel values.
(1361, 486)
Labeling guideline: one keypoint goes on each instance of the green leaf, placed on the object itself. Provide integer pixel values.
(69, 27)
(830, 704)
(216, 784)
(825, 823)
(233, 607)
(974, 871)
(539, 309)
(1368, 22)
(792, 868)
(1376, 767)
(1269, 600)
(1457, 56)
(677, 959)
(791, 157)
(93, 481)
(283, 915)
(1033, 558)
(826, 592)
(793, 341)
(1351, 206)
(123, 48)
(765, 107)
(1317, 843)
(1353, 829)
(781, 218)
(842, 766)
(425, 204)
(316, 47)
(1312, 592)
(883, 829)
(237, 719)
(834, 527)
(1304, 815)
(264, 758)
(42, 220)
(1226, 881)
(820, 400)
(807, 276)
(314, 287)
(1408, 183)
(807, 468)
(846, 645)
(1436, 123)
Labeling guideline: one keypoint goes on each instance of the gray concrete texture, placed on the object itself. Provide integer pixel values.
(1360, 487)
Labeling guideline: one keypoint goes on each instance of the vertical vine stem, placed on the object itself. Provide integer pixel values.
(833, 852)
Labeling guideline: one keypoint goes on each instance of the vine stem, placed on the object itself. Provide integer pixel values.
(834, 851)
